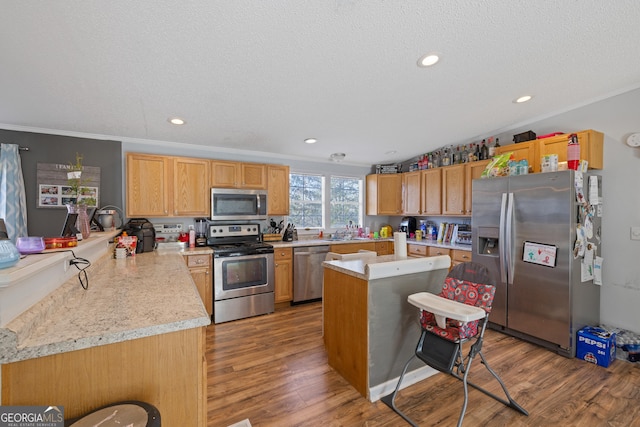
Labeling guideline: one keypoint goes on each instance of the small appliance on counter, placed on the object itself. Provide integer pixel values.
(144, 231)
(105, 218)
(202, 227)
(408, 225)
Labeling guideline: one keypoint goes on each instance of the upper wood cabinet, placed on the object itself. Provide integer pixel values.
(453, 190)
(224, 174)
(431, 191)
(473, 171)
(411, 193)
(528, 151)
(278, 187)
(591, 147)
(191, 196)
(147, 185)
(456, 186)
(384, 194)
(158, 186)
(227, 174)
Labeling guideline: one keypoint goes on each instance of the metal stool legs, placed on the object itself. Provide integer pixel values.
(390, 399)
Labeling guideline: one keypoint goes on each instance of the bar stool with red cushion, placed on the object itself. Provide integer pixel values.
(458, 314)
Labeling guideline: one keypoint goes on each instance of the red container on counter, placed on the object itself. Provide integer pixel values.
(60, 242)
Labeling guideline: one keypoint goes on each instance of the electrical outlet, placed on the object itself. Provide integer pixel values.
(635, 233)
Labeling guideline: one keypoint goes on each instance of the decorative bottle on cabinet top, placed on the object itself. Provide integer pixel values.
(573, 152)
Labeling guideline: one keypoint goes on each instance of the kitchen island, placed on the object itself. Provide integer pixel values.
(370, 330)
(136, 333)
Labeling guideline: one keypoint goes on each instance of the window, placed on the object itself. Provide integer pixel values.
(306, 194)
(346, 202)
(309, 195)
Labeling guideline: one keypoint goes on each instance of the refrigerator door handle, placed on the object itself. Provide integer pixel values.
(502, 240)
(509, 235)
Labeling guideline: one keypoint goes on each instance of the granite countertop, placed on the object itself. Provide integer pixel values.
(368, 268)
(148, 294)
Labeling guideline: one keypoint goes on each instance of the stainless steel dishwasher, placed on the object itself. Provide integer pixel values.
(308, 273)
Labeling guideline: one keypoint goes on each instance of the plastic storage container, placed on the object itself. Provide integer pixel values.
(9, 255)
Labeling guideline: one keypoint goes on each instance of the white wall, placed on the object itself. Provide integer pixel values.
(616, 117)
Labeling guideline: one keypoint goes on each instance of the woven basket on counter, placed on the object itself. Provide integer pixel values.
(271, 237)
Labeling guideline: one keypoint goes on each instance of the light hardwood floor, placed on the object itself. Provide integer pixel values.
(273, 370)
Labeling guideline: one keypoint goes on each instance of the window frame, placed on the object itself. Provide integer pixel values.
(326, 200)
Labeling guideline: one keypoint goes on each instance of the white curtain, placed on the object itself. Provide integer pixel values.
(13, 201)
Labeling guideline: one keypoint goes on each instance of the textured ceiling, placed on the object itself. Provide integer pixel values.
(265, 75)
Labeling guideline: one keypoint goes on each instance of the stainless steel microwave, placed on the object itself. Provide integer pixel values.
(235, 204)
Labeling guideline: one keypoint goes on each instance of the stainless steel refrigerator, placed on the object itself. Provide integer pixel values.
(524, 229)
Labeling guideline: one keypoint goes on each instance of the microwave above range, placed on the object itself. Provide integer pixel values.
(229, 204)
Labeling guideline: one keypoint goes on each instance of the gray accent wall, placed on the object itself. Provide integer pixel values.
(46, 148)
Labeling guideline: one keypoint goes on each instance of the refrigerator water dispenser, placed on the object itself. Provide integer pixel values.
(490, 246)
(488, 242)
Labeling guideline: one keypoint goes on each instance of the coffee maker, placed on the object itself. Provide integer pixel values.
(201, 231)
(408, 225)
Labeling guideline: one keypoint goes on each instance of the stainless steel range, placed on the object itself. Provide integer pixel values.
(243, 275)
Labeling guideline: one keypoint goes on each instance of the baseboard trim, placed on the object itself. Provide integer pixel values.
(410, 378)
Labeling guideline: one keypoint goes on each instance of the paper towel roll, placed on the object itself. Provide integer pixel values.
(400, 244)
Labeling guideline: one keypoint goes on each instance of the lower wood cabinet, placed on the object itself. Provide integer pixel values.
(416, 250)
(384, 248)
(459, 256)
(283, 259)
(200, 269)
(435, 251)
(349, 248)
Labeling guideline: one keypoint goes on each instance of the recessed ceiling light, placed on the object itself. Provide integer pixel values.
(337, 157)
(428, 60)
(522, 99)
(389, 153)
(310, 140)
(176, 121)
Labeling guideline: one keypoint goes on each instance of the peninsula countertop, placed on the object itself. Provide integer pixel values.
(148, 294)
(367, 268)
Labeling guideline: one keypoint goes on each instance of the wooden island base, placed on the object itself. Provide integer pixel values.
(370, 330)
(166, 370)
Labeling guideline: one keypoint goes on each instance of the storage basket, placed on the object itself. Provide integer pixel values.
(271, 237)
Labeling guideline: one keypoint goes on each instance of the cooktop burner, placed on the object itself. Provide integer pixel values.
(239, 249)
(236, 240)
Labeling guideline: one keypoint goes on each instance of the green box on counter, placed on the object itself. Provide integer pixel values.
(596, 345)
